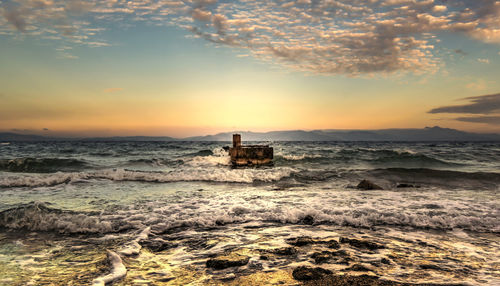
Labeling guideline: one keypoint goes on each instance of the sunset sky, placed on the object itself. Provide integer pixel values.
(181, 68)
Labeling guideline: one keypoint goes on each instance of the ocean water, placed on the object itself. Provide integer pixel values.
(153, 213)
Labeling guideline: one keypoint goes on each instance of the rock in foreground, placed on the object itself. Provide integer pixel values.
(305, 273)
(226, 261)
(361, 243)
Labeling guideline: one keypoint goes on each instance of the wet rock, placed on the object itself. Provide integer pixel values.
(343, 261)
(337, 257)
(321, 257)
(333, 244)
(359, 267)
(308, 219)
(156, 245)
(361, 243)
(341, 253)
(385, 261)
(432, 267)
(284, 251)
(226, 261)
(355, 280)
(368, 185)
(305, 273)
(165, 279)
(300, 241)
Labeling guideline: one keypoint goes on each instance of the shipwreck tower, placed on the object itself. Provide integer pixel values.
(248, 155)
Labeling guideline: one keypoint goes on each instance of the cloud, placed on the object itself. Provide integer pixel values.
(16, 17)
(460, 52)
(485, 108)
(484, 104)
(351, 37)
(201, 15)
(483, 61)
(477, 85)
(113, 89)
(494, 120)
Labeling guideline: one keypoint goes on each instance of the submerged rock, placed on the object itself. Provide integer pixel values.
(432, 267)
(300, 241)
(368, 185)
(361, 243)
(284, 251)
(321, 257)
(359, 267)
(358, 280)
(385, 261)
(226, 261)
(308, 219)
(337, 257)
(333, 244)
(305, 273)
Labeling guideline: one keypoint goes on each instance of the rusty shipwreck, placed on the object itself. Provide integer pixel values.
(249, 155)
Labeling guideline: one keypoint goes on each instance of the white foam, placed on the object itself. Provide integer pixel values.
(200, 173)
(118, 270)
(36, 218)
(220, 157)
(133, 247)
(300, 157)
(40, 180)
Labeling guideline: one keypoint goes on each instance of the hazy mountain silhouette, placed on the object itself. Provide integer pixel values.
(426, 134)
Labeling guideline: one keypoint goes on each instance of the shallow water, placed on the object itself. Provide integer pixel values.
(165, 208)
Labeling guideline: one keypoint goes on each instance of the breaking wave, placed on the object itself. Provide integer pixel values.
(194, 174)
(445, 178)
(301, 157)
(39, 217)
(216, 157)
(41, 165)
(393, 158)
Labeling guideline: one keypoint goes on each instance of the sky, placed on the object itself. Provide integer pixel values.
(195, 67)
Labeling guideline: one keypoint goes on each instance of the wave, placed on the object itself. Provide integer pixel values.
(363, 217)
(409, 159)
(204, 152)
(41, 165)
(157, 162)
(220, 175)
(37, 216)
(302, 157)
(425, 214)
(392, 158)
(444, 178)
(218, 156)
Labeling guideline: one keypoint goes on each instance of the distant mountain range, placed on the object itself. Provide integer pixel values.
(426, 134)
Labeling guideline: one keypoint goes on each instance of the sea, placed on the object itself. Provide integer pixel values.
(154, 213)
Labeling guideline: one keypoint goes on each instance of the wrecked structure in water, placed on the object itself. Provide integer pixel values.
(249, 155)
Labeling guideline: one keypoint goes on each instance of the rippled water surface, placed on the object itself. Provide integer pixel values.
(84, 212)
